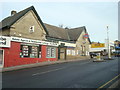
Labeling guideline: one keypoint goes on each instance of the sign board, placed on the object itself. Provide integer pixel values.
(4, 41)
(86, 36)
(67, 44)
(16, 39)
(96, 49)
(97, 45)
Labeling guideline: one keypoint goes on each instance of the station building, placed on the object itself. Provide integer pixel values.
(26, 35)
(25, 39)
(72, 42)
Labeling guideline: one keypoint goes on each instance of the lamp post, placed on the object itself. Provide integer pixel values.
(109, 53)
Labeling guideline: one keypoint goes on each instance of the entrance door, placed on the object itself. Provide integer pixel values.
(63, 53)
(1, 58)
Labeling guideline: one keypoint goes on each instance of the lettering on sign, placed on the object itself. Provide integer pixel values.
(4, 41)
(16, 39)
(97, 45)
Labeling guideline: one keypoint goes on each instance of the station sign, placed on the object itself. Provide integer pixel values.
(4, 41)
(86, 36)
(97, 45)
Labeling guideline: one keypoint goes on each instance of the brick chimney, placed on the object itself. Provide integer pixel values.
(13, 12)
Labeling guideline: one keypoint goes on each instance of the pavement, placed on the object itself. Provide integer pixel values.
(75, 74)
(42, 64)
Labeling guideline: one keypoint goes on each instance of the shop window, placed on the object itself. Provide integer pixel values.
(30, 51)
(68, 52)
(48, 52)
(51, 52)
(33, 52)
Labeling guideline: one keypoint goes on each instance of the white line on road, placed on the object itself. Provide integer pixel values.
(47, 71)
(54, 70)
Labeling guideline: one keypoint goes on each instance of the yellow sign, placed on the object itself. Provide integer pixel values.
(97, 45)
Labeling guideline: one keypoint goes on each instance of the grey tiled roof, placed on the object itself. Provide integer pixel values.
(56, 32)
(74, 33)
(7, 22)
(65, 34)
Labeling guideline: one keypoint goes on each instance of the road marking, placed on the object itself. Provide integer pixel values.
(108, 82)
(47, 71)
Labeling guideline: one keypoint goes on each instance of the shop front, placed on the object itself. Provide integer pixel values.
(62, 51)
(66, 50)
(26, 51)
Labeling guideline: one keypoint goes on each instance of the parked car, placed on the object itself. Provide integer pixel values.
(92, 54)
(117, 53)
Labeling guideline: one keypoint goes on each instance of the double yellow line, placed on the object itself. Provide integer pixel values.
(108, 82)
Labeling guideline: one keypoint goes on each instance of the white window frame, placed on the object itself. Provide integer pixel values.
(50, 52)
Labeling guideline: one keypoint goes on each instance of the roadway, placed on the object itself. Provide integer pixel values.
(78, 74)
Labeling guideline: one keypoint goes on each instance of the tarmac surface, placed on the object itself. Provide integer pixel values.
(74, 74)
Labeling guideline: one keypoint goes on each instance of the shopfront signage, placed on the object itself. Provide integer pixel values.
(4, 41)
(98, 45)
(24, 40)
(67, 44)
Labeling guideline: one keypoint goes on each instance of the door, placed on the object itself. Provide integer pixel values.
(63, 53)
(1, 58)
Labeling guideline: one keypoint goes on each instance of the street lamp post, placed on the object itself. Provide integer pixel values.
(109, 53)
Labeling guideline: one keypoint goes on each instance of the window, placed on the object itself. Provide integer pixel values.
(31, 29)
(68, 52)
(51, 52)
(48, 52)
(32, 51)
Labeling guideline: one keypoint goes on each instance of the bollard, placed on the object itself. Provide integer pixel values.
(98, 59)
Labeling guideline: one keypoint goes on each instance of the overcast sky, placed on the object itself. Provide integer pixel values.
(95, 16)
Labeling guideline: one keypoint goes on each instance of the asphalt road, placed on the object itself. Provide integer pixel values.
(78, 74)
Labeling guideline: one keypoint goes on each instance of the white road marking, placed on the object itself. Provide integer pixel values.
(47, 71)
(55, 69)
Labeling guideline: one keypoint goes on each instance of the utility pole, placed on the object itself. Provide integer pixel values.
(109, 53)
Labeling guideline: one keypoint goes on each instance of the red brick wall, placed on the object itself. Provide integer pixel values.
(12, 56)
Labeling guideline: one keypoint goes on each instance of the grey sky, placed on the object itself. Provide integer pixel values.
(94, 15)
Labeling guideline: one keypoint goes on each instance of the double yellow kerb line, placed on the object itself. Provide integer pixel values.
(108, 82)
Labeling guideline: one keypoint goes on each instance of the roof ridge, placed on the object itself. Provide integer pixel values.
(77, 27)
(54, 26)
